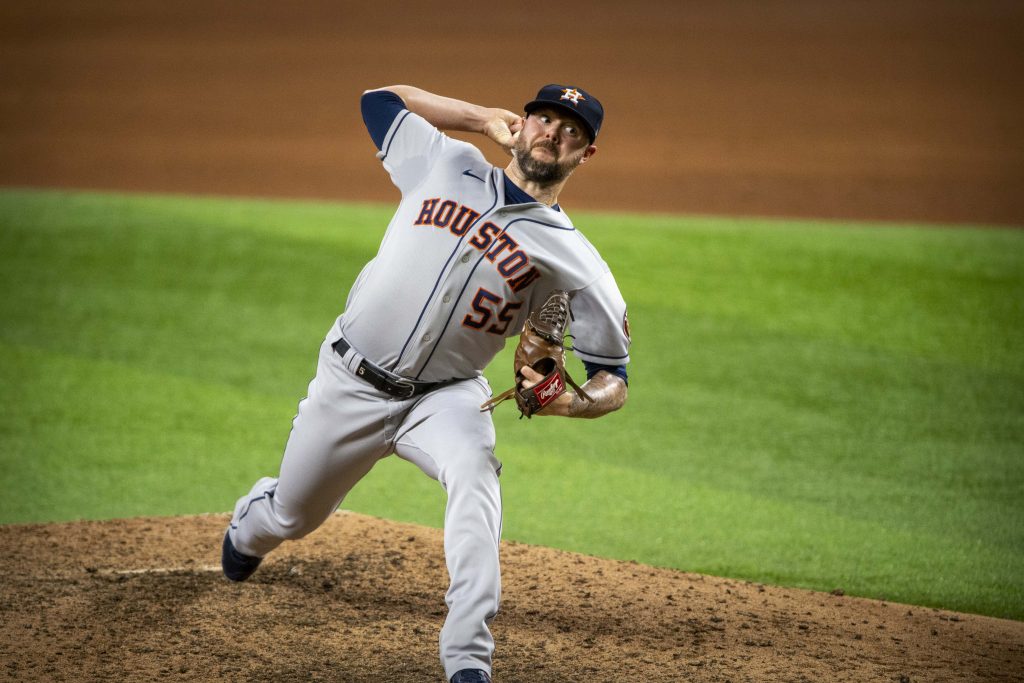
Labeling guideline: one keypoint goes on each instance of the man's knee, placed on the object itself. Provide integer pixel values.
(471, 466)
(297, 524)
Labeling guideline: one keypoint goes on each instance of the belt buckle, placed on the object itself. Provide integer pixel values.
(407, 388)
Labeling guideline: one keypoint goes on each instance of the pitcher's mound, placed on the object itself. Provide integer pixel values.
(362, 599)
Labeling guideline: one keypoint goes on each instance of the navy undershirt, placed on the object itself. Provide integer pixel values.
(380, 109)
(517, 195)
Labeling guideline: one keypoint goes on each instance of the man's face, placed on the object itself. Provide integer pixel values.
(551, 145)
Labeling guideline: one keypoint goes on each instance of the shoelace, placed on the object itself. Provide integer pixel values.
(474, 677)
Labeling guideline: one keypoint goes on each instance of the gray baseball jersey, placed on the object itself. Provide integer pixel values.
(459, 269)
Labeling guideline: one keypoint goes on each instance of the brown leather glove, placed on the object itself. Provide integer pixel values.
(541, 347)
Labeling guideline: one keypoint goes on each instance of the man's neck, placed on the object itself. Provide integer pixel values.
(545, 194)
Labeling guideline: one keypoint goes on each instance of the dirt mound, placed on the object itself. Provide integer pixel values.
(362, 599)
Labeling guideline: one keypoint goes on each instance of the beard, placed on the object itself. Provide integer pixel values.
(543, 172)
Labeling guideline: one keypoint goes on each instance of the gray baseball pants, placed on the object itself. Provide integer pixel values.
(343, 427)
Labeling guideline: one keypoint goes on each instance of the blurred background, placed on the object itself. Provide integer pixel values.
(905, 110)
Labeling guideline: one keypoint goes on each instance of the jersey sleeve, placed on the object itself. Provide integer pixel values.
(409, 147)
(380, 108)
(599, 325)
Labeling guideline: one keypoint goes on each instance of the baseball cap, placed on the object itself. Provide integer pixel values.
(572, 99)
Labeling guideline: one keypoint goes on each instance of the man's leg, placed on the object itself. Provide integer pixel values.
(447, 436)
(336, 438)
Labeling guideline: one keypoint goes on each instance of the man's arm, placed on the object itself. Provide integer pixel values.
(608, 391)
(446, 113)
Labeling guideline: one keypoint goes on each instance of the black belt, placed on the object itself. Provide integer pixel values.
(388, 382)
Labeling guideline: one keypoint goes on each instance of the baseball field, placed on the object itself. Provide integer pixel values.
(820, 471)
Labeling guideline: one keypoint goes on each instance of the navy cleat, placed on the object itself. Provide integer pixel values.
(471, 676)
(236, 566)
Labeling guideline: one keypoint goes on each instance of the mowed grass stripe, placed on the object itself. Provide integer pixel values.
(815, 404)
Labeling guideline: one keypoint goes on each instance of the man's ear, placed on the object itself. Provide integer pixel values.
(589, 152)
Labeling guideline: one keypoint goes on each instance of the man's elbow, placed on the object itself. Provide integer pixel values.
(393, 89)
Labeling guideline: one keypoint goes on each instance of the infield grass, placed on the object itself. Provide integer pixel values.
(822, 405)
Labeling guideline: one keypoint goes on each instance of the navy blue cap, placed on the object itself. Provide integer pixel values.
(572, 99)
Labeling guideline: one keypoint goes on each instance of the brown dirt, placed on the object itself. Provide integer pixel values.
(878, 109)
(361, 599)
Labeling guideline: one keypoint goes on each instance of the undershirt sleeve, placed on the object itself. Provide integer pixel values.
(380, 108)
(617, 370)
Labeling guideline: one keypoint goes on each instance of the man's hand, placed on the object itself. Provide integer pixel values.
(560, 406)
(503, 127)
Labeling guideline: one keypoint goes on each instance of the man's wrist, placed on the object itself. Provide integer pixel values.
(607, 392)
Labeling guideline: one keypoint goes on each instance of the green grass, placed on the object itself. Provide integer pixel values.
(820, 405)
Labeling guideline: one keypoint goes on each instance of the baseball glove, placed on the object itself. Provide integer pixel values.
(541, 347)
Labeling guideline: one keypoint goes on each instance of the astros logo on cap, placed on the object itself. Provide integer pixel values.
(572, 94)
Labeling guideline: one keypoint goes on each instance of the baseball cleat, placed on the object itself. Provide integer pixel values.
(471, 676)
(237, 566)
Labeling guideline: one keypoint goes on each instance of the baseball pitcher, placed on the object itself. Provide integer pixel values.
(473, 255)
